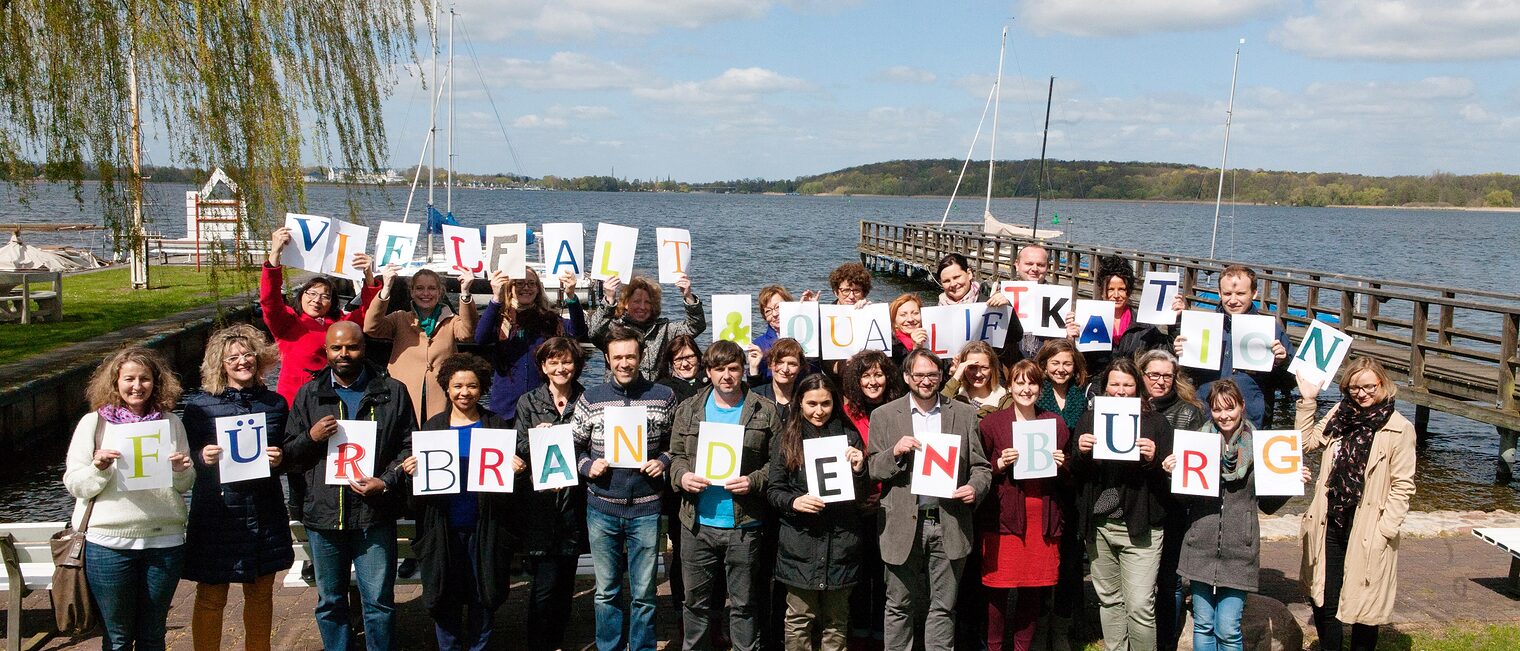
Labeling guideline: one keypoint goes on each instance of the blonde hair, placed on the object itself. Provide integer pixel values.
(1386, 388)
(214, 373)
(101, 390)
(1181, 384)
(639, 283)
(983, 348)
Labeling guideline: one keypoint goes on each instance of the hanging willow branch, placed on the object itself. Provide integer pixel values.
(242, 84)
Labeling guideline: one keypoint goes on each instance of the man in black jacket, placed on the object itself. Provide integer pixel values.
(354, 524)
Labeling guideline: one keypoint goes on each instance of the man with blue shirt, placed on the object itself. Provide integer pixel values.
(721, 526)
(1238, 295)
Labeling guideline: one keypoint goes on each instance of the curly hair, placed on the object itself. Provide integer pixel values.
(101, 390)
(1110, 267)
(866, 360)
(556, 347)
(464, 362)
(851, 272)
(214, 373)
(638, 283)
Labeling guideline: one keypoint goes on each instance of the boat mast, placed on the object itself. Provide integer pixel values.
(1039, 183)
(449, 159)
(997, 100)
(432, 133)
(1224, 162)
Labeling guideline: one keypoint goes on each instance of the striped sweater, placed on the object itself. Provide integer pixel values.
(623, 492)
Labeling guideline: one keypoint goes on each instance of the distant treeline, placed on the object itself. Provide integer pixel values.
(1064, 180)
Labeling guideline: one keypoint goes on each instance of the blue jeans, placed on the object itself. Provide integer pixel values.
(133, 588)
(1216, 617)
(371, 553)
(615, 541)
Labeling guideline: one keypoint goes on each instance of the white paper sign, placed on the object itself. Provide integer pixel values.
(1022, 304)
(720, 451)
(489, 467)
(1251, 337)
(553, 457)
(1036, 442)
(732, 318)
(1203, 339)
(507, 249)
(936, 465)
(463, 249)
(1050, 305)
(1197, 469)
(344, 241)
(829, 476)
(145, 448)
(351, 452)
(395, 243)
(1278, 462)
(613, 255)
(242, 440)
(1156, 298)
(674, 247)
(951, 327)
(1320, 354)
(799, 320)
(438, 466)
(564, 249)
(846, 330)
(1116, 424)
(1095, 325)
(308, 242)
(626, 436)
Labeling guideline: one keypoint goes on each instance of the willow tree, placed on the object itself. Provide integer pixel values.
(242, 84)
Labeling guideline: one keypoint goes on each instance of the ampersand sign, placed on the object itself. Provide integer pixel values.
(735, 330)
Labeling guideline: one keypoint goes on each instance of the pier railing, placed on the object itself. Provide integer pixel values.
(1453, 349)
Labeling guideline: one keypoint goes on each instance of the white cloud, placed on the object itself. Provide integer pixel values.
(907, 75)
(558, 20)
(565, 71)
(1405, 30)
(1130, 17)
(532, 121)
(583, 112)
(734, 85)
(1018, 88)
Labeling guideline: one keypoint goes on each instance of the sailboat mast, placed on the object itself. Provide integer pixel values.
(449, 159)
(432, 132)
(1039, 183)
(997, 100)
(1224, 162)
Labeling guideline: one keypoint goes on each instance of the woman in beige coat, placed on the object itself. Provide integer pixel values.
(423, 335)
(1350, 535)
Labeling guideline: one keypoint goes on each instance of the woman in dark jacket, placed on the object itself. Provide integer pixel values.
(818, 558)
(515, 323)
(553, 522)
(1120, 508)
(1172, 394)
(683, 372)
(237, 532)
(464, 540)
(1130, 337)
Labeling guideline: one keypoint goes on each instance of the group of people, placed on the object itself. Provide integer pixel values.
(1000, 561)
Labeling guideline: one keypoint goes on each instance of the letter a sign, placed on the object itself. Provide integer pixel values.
(936, 466)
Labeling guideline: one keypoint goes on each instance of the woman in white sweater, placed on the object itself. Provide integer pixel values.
(135, 535)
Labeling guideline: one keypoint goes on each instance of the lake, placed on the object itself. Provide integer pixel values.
(742, 242)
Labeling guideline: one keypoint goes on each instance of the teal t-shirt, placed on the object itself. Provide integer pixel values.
(715, 506)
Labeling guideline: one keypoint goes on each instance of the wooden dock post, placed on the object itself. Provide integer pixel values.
(1421, 425)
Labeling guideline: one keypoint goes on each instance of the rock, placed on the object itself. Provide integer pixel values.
(1267, 625)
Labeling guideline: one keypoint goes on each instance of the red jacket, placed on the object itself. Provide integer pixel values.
(299, 337)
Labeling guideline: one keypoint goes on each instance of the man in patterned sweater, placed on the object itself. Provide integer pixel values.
(624, 504)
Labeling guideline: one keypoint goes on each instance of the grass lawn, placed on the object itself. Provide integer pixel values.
(102, 302)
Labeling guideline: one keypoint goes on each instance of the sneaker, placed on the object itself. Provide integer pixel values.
(407, 569)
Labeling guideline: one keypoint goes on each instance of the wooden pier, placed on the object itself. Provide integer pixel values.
(1450, 349)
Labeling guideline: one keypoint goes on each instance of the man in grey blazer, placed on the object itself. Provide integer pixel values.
(924, 540)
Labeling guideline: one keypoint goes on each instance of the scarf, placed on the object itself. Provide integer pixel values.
(428, 322)
(973, 293)
(1076, 403)
(1355, 428)
(118, 415)
(905, 339)
(995, 398)
(1121, 323)
(1235, 455)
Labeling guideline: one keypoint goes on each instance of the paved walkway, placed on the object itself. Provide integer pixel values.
(1442, 580)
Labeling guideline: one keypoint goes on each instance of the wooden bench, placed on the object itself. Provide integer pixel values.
(17, 295)
(28, 566)
(1507, 539)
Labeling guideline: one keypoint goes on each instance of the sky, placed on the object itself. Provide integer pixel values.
(705, 90)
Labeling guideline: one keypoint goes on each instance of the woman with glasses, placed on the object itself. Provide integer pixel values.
(771, 297)
(423, 334)
(684, 373)
(238, 532)
(1172, 394)
(515, 323)
(1350, 534)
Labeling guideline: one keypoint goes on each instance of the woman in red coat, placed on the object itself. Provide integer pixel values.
(1019, 524)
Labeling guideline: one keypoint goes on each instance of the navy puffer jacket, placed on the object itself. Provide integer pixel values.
(237, 532)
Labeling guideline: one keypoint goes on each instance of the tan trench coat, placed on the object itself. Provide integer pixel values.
(414, 355)
(1372, 554)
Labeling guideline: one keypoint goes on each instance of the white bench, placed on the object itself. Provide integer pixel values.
(1507, 539)
(28, 566)
(17, 289)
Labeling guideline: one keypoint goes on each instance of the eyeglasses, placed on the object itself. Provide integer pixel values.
(1365, 389)
(776, 309)
(685, 359)
(1157, 377)
(923, 377)
(850, 290)
(318, 296)
(245, 357)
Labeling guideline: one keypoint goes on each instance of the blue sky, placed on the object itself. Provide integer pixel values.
(720, 89)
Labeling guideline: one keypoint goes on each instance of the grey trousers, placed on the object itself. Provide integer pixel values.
(928, 575)
(705, 553)
(1124, 576)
